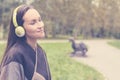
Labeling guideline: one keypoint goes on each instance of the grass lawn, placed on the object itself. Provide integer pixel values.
(2, 47)
(115, 43)
(62, 66)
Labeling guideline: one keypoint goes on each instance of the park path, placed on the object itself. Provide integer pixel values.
(103, 57)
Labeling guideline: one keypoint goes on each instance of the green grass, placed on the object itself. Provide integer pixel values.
(62, 66)
(2, 47)
(115, 43)
(65, 68)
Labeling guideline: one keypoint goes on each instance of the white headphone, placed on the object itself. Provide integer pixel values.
(19, 30)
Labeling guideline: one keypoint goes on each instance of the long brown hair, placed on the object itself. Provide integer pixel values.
(12, 37)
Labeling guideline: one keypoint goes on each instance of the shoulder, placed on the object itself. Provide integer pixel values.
(41, 49)
(15, 53)
(16, 50)
(12, 71)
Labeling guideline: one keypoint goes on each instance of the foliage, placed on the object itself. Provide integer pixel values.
(87, 18)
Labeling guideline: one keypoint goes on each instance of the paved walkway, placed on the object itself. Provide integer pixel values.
(101, 56)
(104, 58)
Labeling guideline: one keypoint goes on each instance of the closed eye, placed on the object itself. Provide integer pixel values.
(33, 22)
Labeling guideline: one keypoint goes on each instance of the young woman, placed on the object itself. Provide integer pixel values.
(24, 59)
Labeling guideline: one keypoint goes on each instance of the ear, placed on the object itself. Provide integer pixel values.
(19, 31)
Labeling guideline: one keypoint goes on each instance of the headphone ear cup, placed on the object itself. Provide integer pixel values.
(19, 31)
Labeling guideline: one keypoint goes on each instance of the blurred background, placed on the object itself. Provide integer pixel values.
(81, 19)
(84, 19)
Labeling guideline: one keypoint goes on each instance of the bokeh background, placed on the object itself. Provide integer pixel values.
(65, 18)
(94, 22)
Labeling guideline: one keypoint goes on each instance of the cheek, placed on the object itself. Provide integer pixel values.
(29, 30)
(33, 32)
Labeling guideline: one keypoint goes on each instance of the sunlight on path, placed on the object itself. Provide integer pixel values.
(103, 58)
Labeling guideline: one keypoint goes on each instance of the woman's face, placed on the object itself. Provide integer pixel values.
(34, 26)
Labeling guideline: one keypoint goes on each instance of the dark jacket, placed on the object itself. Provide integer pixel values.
(19, 63)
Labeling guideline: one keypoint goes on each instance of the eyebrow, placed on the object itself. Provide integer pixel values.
(33, 20)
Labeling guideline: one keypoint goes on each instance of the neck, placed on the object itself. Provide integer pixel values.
(32, 43)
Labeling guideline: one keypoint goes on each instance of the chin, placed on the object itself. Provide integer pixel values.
(39, 36)
(42, 36)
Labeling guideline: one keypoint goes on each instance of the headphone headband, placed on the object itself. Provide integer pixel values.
(15, 16)
(19, 30)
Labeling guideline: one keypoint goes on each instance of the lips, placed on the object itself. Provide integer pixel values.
(40, 29)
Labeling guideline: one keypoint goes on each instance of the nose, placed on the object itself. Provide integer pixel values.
(41, 24)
